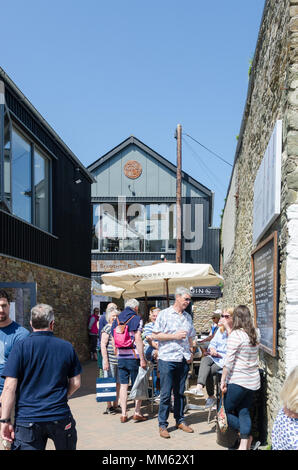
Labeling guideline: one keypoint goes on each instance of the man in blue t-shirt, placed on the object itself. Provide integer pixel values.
(10, 333)
(41, 373)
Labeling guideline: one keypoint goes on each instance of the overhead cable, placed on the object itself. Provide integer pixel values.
(211, 151)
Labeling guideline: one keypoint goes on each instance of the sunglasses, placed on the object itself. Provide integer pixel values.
(225, 316)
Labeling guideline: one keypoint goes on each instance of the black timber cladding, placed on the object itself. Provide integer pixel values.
(68, 247)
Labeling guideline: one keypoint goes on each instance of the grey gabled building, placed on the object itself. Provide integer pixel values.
(134, 211)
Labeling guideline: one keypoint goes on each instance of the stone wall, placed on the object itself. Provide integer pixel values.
(69, 295)
(272, 95)
(202, 313)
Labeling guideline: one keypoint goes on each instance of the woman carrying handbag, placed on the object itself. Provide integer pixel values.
(240, 376)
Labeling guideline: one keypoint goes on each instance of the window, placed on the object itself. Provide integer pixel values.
(134, 227)
(41, 190)
(21, 177)
(7, 154)
(26, 177)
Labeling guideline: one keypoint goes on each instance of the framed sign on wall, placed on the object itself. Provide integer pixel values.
(264, 263)
(267, 203)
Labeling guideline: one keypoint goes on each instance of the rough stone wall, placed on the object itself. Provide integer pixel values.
(69, 295)
(202, 313)
(272, 95)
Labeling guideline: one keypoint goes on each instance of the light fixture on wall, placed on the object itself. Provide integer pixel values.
(131, 190)
(77, 178)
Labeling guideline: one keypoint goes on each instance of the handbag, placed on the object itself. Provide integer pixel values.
(222, 419)
(105, 389)
(139, 389)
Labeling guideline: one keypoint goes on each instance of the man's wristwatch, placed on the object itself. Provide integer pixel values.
(7, 420)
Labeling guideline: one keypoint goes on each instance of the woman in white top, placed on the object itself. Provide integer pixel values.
(241, 377)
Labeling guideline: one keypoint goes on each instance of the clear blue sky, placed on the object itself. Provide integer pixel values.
(99, 71)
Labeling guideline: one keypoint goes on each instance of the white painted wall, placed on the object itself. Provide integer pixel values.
(291, 323)
(229, 219)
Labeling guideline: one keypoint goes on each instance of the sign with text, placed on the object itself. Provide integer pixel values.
(110, 266)
(209, 292)
(264, 284)
(267, 186)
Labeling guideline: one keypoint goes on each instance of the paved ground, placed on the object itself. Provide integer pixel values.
(98, 431)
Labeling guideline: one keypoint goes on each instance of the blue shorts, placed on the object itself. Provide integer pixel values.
(128, 368)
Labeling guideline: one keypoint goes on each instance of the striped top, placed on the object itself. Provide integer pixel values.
(148, 328)
(242, 361)
(110, 346)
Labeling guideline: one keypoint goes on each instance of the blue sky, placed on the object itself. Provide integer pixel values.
(99, 71)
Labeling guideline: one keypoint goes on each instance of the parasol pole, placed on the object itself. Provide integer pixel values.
(146, 305)
(178, 196)
(167, 290)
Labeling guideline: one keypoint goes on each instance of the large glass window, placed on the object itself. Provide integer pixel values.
(134, 227)
(7, 158)
(21, 177)
(26, 178)
(41, 190)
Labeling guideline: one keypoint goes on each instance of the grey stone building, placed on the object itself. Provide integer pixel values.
(262, 200)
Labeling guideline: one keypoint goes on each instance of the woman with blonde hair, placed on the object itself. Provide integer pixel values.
(109, 358)
(214, 361)
(285, 427)
(226, 320)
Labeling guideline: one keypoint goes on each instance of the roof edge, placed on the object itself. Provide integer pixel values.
(134, 140)
(36, 113)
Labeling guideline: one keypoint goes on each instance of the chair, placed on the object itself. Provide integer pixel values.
(152, 367)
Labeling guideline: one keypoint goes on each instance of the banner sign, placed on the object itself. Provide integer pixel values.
(211, 292)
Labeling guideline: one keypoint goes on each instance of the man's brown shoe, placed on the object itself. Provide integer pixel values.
(184, 427)
(123, 419)
(163, 432)
(139, 417)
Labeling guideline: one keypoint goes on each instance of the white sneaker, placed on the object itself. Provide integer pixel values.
(194, 392)
(210, 402)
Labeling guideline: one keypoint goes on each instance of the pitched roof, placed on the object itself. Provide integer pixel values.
(134, 140)
(8, 82)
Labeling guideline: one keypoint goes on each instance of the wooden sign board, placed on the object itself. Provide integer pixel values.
(264, 262)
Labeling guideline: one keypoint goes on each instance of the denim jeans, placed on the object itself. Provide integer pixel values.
(34, 436)
(239, 400)
(172, 376)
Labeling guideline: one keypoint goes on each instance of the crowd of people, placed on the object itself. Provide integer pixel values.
(39, 372)
(230, 349)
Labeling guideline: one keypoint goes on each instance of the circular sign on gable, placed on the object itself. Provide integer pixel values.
(132, 169)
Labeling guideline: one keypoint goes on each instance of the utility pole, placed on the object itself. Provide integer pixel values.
(178, 196)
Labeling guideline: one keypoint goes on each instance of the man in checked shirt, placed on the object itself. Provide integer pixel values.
(174, 332)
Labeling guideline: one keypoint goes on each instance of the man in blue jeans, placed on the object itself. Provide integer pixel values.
(174, 332)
